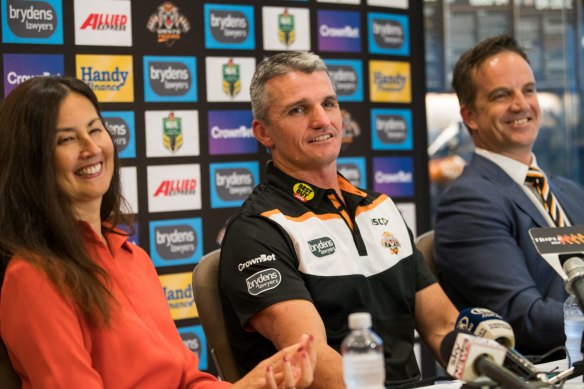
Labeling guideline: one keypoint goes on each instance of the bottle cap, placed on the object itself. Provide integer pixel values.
(359, 320)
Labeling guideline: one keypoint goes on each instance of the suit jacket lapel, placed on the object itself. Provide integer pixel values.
(493, 173)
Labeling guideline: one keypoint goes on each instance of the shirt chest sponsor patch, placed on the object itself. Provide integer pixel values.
(263, 281)
(390, 241)
(322, 247)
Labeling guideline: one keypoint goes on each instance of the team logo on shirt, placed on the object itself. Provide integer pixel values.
(391, 242)
(263, 281)
(303, 192)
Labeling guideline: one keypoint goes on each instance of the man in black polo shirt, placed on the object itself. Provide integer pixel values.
(308, 248)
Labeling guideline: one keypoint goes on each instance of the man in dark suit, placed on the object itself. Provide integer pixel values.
(483, 249)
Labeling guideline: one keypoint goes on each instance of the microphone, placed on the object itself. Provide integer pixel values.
(470, 357)
(485, 323)
(574, 268)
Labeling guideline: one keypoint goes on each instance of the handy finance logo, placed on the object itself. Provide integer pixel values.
(391, 129)
(111, 77)
(176, 242)
(393, 176)
(170, 79)
(103, 23)
(230, 132)
(390, 82)
(178, 290)
(229, 27)
(194, 339)
(232, 183)
(347, 78)
(20, 67)
(122, 127)
(353, 169)
(388, 34)
(339, 31)
(32, 22)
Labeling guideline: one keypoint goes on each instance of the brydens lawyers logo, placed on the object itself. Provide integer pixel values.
(168, 23)
(176, 242)
(193, 338)
(353, 169)
(347, 78)
(20, 67)
(322, 247)
(391, 129)
(170, 79)
(103, 23)
(32, 22)
(229, 27)
(263, 281)
(232, 183)
(121, 126)
(388, 34)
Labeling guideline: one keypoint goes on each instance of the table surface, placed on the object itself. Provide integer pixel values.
(555, 366)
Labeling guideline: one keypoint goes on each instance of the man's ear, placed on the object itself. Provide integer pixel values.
(468, 117)
(262, 133)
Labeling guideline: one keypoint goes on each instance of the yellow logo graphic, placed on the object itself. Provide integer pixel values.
(390, 241)
(110, 76)
(178, 290)
(390, 82)
(303, 192)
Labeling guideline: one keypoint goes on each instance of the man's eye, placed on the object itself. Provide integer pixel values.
(296, 110)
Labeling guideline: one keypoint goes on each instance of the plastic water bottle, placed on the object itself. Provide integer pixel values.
(573, 327)
(362, 349)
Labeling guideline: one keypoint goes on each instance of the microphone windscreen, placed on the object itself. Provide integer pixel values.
(485, 323)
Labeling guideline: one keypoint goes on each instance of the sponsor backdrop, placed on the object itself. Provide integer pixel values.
(173, 81)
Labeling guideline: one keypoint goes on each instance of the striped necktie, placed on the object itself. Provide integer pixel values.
(536, 179)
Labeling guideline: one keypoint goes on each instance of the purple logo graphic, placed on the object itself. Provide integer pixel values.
(230, 132)
(20, 67)
(339, 31)
(393, 176)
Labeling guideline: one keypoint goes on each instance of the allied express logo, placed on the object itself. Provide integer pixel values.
(170, 188)
(105, 22)
(168, 23)
(322, 247)
(303, 192)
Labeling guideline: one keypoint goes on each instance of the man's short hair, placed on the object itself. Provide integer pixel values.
(462, 80)
(278, 65)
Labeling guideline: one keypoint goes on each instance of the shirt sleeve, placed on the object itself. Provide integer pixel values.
(258, 267)
(35, 319)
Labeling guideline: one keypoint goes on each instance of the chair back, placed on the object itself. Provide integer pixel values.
(208, 301)
(425, 243)
(8, 377)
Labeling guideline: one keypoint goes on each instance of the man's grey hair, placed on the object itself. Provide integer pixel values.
(279, 65)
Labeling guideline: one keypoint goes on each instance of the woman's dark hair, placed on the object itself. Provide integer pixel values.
(37, 222)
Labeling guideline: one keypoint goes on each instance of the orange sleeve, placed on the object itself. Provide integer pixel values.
(35, 320)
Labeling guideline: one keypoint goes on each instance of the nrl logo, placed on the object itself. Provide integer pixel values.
(172, 137)
(231, 78)
(286, 28)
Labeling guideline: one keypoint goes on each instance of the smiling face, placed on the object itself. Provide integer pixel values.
(84, 154)
(304, 125)
(506, 115)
